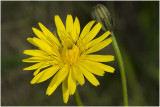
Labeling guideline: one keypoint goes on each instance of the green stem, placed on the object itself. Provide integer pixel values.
(121, 66)
(77, 98)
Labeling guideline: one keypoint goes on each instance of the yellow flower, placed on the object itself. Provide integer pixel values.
(68, 57)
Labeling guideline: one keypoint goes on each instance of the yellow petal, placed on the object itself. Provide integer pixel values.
(99, 39)
(71, 82)
(90, 77)
(99, 46)
(44, 65)
(44, 46)
(37, 71)
(100, 58)
(60, 28)
(35, 79)
(57, 79)
(46, 39)
(69, 23)
(38, 33)
(59, 23)
(106, 68)
(92, 68)
(76, 29)
(86, 29)
(92, 33)
(35, 66)
(44, 75)
(39, 59)
(30, 40)
(65, 90)
(48, 34)
(34, 52)
(34, 59)
(48, 73)
(78, 75)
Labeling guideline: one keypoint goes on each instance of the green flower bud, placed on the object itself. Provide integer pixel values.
(101, 14)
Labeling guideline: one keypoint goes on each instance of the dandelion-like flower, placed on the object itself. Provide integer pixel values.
(69, 58)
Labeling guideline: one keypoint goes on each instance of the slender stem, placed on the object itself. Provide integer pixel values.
(121, 66)
(77, 98)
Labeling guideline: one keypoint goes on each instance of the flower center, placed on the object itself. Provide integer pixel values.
(70, 54)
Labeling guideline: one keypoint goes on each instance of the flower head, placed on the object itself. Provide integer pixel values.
(69, 58)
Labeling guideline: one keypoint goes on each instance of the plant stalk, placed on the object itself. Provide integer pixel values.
(121, 66)
(77, 98)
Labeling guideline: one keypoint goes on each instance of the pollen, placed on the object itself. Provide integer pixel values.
(70, 54)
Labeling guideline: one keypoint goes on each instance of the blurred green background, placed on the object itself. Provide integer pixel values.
(136, 27)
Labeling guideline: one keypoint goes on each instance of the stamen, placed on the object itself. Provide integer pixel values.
(70, 54)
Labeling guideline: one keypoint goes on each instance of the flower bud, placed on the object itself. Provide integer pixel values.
(101, 14)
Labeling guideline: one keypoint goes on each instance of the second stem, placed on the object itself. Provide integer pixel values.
(121, 66)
